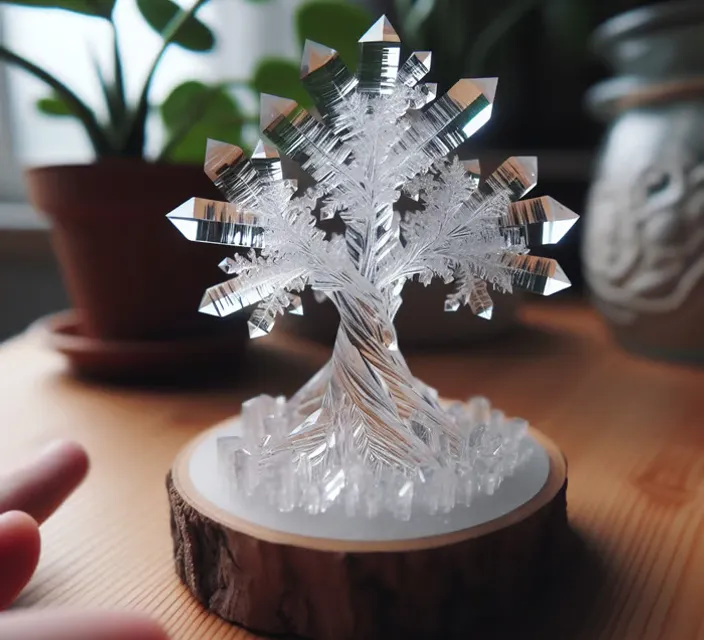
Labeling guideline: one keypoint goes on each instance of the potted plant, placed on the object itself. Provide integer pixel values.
(129, 275)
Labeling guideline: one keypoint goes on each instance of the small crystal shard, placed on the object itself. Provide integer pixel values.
(424, 95)
(452, 304)
(333, 486)
(415, 68)
(261, 322)
(296, 306)
(229, 266)
(473, 169)
(267, 163)
(401, 498)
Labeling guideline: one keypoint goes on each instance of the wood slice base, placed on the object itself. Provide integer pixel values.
(436, 586)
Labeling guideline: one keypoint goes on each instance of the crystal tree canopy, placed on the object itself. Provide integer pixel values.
(363, 432)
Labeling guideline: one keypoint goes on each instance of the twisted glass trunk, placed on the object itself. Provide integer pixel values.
(363, 435)
(363, 432)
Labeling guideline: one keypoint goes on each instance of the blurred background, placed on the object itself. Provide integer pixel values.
(613, 118)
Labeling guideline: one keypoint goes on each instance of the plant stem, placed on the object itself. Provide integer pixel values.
(134, 143)
(117, 70)
(98, 138)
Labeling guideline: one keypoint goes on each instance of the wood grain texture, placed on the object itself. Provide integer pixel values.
(632, 430)
(432, 587)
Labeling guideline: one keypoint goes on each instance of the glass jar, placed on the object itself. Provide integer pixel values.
(644, 233)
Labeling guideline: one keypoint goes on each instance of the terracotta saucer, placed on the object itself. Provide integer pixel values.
(188, 361)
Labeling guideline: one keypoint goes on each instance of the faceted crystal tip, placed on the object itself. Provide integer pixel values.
(380, 31)
(314, 57)
(182, 217)
(472, 167)
(274, 107)
(255, 331)
(219, 155)
(486, 313)
(228, 265)
(452, 304)
(264, 151)
(464, 92)
(540, 220)
(430, 92)
(425, 58)
(528, 166)
(557, 282)
(208, 307)
(296, 306)
(487, 87)
(559, 220)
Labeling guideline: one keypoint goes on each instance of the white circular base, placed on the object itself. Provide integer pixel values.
(515, 491)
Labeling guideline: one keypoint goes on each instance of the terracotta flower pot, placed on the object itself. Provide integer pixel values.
(128, 271)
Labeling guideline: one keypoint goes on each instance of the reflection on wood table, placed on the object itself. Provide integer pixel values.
(632, 430)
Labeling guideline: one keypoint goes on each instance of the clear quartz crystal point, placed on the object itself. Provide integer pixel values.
(305, 140)
(535, 274)
(204, 220)
(538, 221)
(379, 58)
(327, 80)
(416, 67)
(364, 437)
(451, 120)
(230, 170)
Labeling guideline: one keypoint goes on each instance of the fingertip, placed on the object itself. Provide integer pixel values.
(144, 628)
(20, 546)
(72, 455)
(79, 625)
(39, 487)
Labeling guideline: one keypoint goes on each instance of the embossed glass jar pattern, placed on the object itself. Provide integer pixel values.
(644, 237)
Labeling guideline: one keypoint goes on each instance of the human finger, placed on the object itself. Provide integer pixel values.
(60, 625)
(40, 486)
(19, 554)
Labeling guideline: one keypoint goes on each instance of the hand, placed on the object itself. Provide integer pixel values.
(27, 497)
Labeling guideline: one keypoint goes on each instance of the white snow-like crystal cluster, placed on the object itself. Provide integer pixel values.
(490, 452)
(363, 431)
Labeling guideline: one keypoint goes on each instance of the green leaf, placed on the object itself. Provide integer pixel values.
(335, 24)
(194, 112)
(99, 8)
(193, 35)
(281, 78)
(54, 106)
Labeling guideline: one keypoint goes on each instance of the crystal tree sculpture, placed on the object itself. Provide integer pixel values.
(363, 433)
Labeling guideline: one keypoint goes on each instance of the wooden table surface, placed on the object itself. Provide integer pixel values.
(632, 430)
